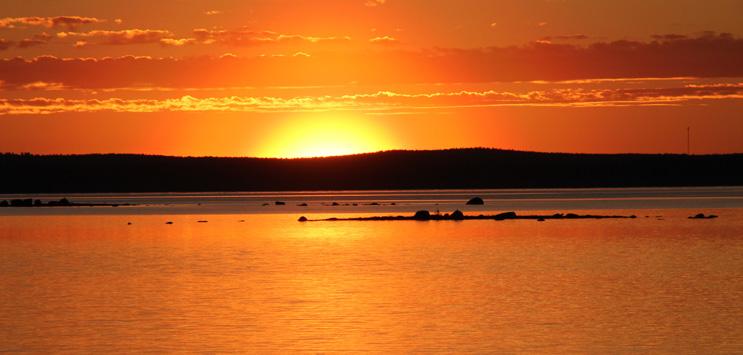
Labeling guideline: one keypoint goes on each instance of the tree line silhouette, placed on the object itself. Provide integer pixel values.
(437, 169)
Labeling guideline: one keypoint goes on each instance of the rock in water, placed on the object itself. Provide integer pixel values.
(422, 215)
(457, 215)
(702, 216)
(302, 219)
(476, 201)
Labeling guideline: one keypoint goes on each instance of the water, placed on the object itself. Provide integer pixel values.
(82, 279)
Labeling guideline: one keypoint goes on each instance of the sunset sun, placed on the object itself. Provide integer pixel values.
(325, 135)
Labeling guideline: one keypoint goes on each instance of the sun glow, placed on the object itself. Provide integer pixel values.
(328, 135)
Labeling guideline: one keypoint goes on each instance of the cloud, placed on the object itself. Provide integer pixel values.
(121, 37)
(374, 3)
(36, 40)
(384, 40)
(177, 42)
(705, 56)
(669, 37)
(5, 44)
(388, 101)
(70, 22)
(575, 37)
(247, 37)
(41, 85)
(29, 42)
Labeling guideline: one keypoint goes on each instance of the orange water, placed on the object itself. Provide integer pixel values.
(89, 283)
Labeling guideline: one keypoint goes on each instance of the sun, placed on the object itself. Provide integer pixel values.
(325, 135)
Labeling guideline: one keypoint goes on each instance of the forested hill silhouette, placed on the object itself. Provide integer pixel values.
(439, 169)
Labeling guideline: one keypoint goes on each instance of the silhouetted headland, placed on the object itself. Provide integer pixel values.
(424, 215)
(438, 169)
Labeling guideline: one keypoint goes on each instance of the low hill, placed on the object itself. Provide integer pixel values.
(437, 169)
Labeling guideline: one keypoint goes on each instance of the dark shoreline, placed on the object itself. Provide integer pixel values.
(64, 202)
(474, 168)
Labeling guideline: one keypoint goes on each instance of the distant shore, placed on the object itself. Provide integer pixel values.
(63, 202)
(400, 170)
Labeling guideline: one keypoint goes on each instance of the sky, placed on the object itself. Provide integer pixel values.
(279, 78)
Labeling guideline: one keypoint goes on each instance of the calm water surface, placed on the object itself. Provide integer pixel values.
(254, 279)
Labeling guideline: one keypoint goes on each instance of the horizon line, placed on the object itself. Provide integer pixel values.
(357, 154)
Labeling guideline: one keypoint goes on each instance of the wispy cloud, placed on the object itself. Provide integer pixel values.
(71, 22)
(248, 37)
(384, 40)
(706, 56)
(5, 44)
(177, 42)
(379, 101)
(374, 3)
(120, 37)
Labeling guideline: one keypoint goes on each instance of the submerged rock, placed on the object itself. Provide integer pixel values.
(476, 201)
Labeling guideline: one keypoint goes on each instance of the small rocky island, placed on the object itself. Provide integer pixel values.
(703, 216)
(458, 215)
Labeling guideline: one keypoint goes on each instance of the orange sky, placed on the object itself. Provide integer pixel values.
(303, 78)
